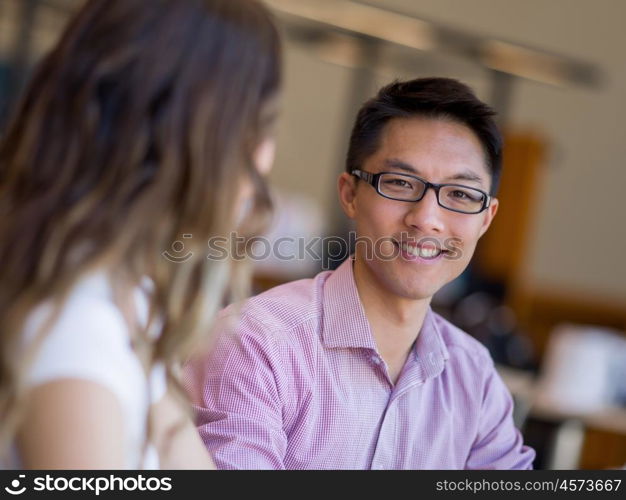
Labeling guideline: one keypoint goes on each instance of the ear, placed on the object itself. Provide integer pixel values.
(490, 213)
(346, 185)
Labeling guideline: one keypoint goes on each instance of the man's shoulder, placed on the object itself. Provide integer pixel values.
(460, 342)
(284, 307)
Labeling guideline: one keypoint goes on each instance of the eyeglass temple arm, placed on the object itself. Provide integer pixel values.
(366, 176)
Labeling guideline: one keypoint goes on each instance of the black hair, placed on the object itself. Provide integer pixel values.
(437, 98)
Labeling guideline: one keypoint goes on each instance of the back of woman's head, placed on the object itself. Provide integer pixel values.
(139, 126)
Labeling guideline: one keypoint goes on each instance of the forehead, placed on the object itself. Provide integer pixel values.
(431, 143)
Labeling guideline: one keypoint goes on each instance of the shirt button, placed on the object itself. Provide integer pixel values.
(375, 360)
(380, 467)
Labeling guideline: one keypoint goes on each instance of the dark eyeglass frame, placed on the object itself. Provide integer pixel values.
(373, 179)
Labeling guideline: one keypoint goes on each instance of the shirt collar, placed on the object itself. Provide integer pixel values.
(345, 323)
(430, 350)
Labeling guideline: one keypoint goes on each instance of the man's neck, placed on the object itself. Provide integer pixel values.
(395, 321)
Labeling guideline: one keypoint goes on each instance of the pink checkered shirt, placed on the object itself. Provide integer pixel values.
(300, 385)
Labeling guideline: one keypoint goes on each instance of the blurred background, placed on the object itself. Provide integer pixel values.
(546, 292)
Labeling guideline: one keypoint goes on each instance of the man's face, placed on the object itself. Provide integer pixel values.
(437, 151)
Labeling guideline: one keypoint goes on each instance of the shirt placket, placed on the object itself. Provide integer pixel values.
(387, 447)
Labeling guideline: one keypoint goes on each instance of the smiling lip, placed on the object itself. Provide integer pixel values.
(421, 253)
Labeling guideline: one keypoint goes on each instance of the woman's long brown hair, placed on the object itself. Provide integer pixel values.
(137, 128)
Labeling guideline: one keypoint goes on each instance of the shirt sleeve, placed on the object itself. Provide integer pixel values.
(236, 395)
(499, 443)
(88, 341)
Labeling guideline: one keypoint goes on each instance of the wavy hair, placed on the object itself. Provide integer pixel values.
(138, 127)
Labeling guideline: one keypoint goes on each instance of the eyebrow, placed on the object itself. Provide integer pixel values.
(466, 175)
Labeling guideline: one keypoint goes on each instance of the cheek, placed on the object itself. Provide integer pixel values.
(264, 156)
(463, 239)
(378, 216)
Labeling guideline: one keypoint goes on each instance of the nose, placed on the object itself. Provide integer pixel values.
(426, 215)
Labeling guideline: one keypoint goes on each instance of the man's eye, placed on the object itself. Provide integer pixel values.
(461, 195)
(400, 183)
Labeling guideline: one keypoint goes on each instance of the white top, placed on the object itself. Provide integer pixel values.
(90, 341)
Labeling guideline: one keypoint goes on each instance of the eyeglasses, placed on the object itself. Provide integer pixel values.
(405, 187)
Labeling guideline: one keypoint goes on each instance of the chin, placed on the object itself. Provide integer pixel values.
(409, 291)
(406, 285)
